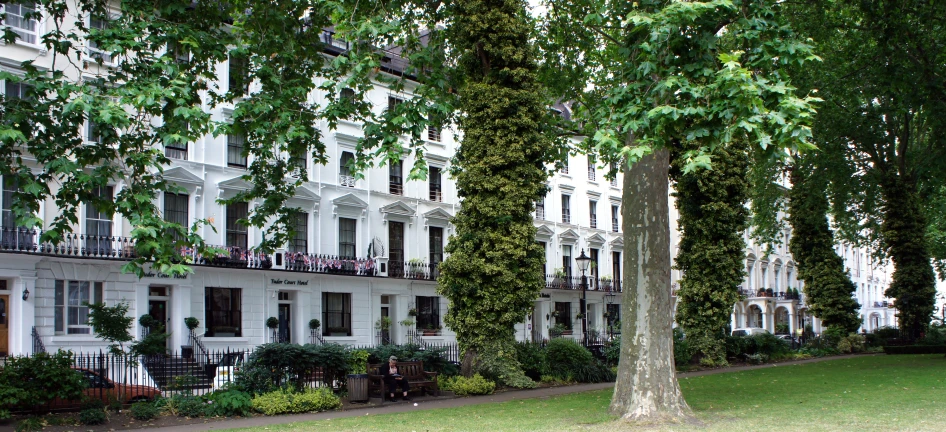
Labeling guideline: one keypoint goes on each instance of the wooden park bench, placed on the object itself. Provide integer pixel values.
(417, 378)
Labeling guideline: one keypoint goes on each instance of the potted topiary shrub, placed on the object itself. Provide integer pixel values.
(272, 323)
(383, 323)
(187, 350)
(606, 282)
(314, 324)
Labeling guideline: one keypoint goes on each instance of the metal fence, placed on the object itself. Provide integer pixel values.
(123, 379)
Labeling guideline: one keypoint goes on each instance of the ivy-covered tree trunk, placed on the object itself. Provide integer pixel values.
(493, 273)
(828, 289)
(904, 228)
(646, 386)
(713, 217)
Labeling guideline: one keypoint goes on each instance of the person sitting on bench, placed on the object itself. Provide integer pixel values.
(392, 379)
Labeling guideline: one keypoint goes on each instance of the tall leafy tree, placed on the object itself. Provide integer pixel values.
(711, 256)
(493, 274)
(653, 76)
(882, 132)
(477, 69)
(116, 95)
(828, 287)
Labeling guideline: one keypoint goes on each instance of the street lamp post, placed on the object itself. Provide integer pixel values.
(610, 298)
(583, 262)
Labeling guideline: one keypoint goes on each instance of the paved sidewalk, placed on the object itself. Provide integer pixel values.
(428, 404)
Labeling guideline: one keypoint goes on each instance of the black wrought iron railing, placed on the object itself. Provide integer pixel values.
(22, 240)
(38, 345)
(574, 283)
(770, 293)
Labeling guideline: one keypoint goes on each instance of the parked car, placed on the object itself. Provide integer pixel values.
(103, 389)
(226, 371)
(748, 331)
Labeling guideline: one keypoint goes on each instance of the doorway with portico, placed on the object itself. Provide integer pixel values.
(159, 297)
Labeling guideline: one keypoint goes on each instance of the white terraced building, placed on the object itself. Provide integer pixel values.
(325, 272)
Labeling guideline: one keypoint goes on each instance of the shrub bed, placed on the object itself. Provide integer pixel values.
(565, 357)
(463, 386)
(144, 411)
(284, 401)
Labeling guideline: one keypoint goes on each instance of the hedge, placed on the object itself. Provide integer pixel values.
(916, 349)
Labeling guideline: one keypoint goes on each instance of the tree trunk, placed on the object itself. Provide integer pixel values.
(913, 283)
(646, 387)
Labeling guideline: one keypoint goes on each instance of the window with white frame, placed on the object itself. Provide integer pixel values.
(235, 157)
(435, 241)
(396, 177)
(11, 237)
(393, 102)
(237, 233)
(176, 149)
(297, 165)
(98, 223)
(345, 176)
(176, 210)
(238, 81)
(98, 24)
(428, 313)
(71, 311)
(336, 314)
(299, 243)
(436, 185)
(593, 213)
(16, 17)
(346, 237)
(615, 227)
(591, 168)
(540, 209)
(93, 132)
(566, 208)
(16, 91)
(223, 312)
(567, 260)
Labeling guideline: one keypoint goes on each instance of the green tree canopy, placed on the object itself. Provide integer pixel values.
(881, 132)
(649, 76)
(153, 81)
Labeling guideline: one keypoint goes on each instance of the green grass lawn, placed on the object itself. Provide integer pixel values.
(863, 393)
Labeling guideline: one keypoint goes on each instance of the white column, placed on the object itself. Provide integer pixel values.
(300, 317)
(180, 309)
(141, 307)
(768, 322)
(22, 314)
